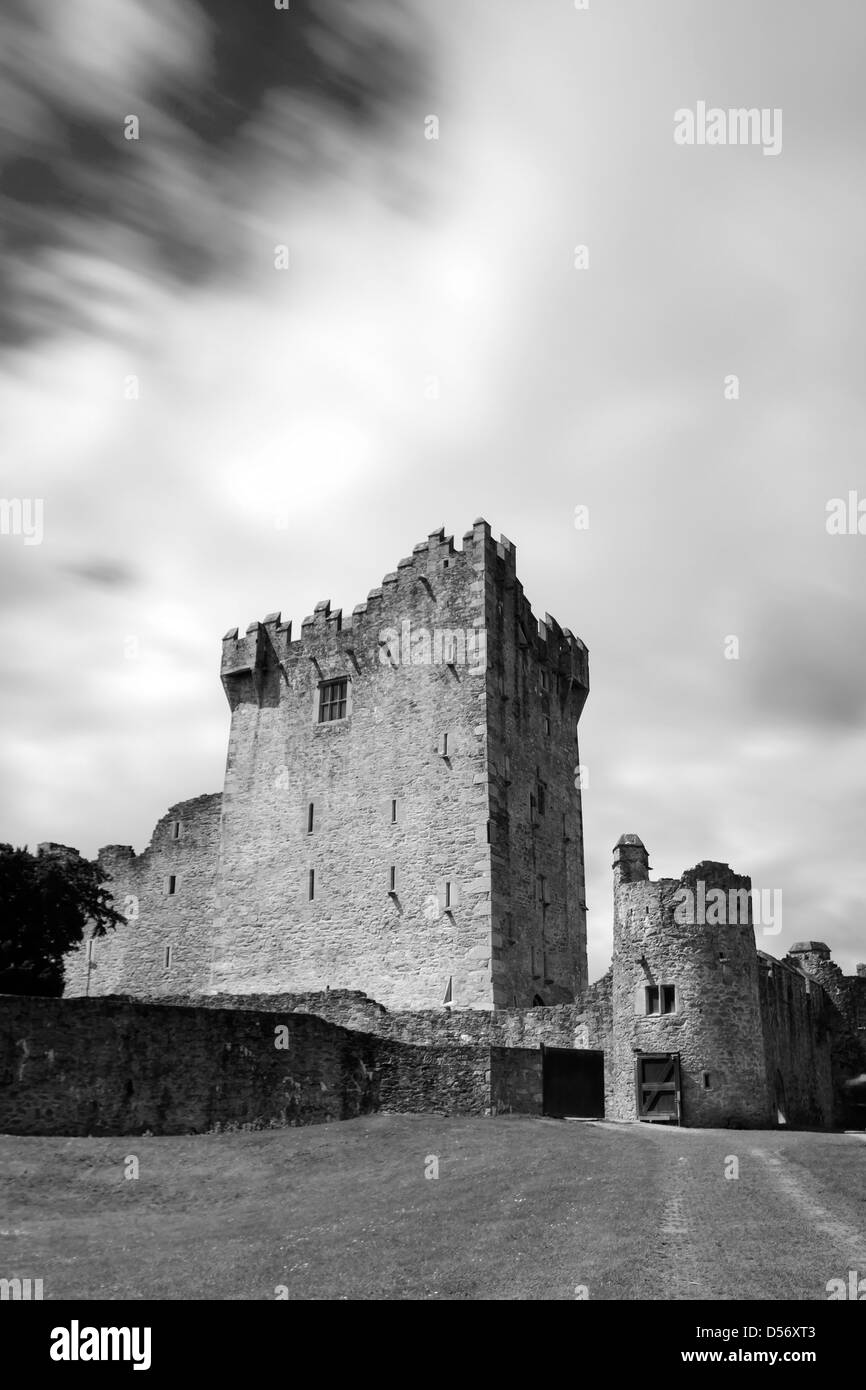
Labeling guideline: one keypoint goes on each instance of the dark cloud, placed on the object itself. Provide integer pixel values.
(104, 574)
(67, 177)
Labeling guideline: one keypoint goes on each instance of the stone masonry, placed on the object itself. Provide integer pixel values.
(425, 846)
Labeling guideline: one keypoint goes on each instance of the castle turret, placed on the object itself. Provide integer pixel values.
(630, 860)
(687, 1037)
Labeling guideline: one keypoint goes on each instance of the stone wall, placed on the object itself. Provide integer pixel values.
(538, 681)
(847, 1026)
(795, 1014)
(516, 1080)
(108, 1066)
(165, 944)
(401, 945)
(560, 1025)
(451, 1080)
(121, 1066)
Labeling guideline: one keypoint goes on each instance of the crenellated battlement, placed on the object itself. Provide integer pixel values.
(446, 586)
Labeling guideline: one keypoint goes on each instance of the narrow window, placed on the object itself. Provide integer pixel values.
(393, 812)
(449, 993)
(443, 745)
(542, 794)
(545, 679)
(310, 814)
(332, 700)
(90, 949)
(652, 999)
(168, 958)
(447, 895)
(311, 890)
(392, 879)
(545, 724)
(175, 830)
(705, 1077)
(172, 883)
(533, 958)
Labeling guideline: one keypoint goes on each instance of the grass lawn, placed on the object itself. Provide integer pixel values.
(523, 1208)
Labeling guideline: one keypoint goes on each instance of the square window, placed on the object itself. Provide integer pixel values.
(332, 700)
(661, 999)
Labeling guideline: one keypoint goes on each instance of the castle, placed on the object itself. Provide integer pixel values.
(400, 811)
(398, 850)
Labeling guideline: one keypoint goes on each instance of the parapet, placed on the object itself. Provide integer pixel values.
(251, 664)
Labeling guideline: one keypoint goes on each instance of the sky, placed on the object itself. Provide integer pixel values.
(252, 356)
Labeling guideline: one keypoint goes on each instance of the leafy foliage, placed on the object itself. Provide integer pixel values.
(47, 902)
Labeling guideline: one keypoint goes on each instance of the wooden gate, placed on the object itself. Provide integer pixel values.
(657, 1082)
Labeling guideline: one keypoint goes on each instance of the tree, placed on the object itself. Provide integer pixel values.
(47, 900)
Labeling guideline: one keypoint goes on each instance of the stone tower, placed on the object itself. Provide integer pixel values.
(686, 983)
(401, 812)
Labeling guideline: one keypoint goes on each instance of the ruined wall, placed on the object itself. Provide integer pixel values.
(561, 1025)
(716, 1026)
(120, 1066)
(108, 1066)
(795, 1015)
(133, 958)
(847, 1027)
(538, 682)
